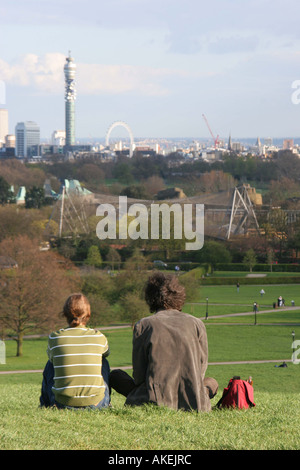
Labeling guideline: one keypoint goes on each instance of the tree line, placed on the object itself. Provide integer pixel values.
(142, 176)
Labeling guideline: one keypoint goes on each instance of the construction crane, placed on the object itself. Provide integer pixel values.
(215, 139)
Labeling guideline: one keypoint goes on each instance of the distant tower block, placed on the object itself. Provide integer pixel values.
(70, 96)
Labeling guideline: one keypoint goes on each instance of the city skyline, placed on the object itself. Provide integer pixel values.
(158, 66)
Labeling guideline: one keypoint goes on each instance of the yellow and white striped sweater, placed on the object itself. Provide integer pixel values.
(76, 354)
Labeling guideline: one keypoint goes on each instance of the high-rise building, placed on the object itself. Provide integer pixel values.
(58, 138)
(70, 96)
(288, 144)
(10, 141)
(27, 139)
(3, 124)
(229, 143)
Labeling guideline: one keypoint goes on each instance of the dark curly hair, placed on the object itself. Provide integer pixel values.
(163, 292)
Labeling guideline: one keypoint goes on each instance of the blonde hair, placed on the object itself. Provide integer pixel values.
(77, 310)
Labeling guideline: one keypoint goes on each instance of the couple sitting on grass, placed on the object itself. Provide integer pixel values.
(169, 357)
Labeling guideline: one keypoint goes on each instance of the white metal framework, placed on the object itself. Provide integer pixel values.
(242, 212)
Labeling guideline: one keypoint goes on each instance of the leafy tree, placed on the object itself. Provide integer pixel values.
(6, 194)
(131, 279)
(102, 311)
(136, 191)
(192, 286)
(94, 257)
(136, 262)
(145, 167)
(122, 172)
(35, 198)
(99, 285)
(83, 244)
(133, 307)
(213, 253)
(250, 259)
(40, 226)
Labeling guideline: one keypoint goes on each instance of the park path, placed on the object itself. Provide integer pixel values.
(210, 363)
(259, 312)
(264, 310)
(40, 371)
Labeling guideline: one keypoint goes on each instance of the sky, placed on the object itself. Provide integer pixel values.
(157, 65)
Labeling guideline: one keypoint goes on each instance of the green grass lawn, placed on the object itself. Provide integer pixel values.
(199, 310)
(236, 274)
(233, 342)
(248, 294)
(35, 357)
(272, 424)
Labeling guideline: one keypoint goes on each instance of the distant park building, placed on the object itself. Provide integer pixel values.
(20, 197)
(27, 139)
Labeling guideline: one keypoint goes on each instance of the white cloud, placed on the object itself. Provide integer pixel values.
(44, 74)
(115, 79)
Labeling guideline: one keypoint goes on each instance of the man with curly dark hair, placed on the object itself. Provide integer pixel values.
(170, 353)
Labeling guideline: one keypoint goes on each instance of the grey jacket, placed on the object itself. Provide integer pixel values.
(169, 359)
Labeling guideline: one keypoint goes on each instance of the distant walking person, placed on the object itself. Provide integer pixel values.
(170, 353)
(238, 287)
(77, 372)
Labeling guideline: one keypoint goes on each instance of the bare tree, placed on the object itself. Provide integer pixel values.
(154, 184)
(32, 293)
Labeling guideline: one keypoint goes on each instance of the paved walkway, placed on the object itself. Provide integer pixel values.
(259, 312)
(40, 371)
(279, 361)
(271, 310)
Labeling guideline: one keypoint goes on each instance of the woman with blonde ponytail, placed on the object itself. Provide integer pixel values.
(77, 373)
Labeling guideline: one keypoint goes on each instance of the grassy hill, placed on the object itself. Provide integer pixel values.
(234, 349)
(271, 424)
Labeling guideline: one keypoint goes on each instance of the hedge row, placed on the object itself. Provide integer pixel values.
(218, 281)
(278, 268)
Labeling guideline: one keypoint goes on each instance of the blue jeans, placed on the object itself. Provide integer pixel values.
(47, 397)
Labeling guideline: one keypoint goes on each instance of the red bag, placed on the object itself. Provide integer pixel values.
(238, 394)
